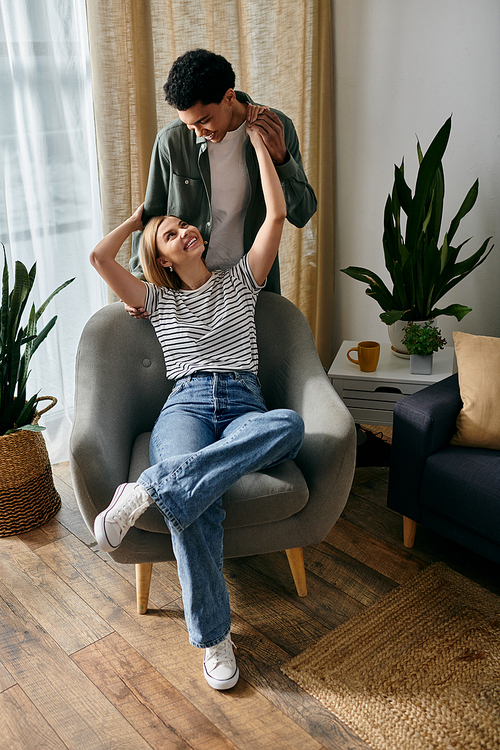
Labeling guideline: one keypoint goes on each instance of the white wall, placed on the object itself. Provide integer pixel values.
(402, 67)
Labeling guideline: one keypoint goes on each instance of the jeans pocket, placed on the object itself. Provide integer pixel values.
(177, 388)
(251, 384)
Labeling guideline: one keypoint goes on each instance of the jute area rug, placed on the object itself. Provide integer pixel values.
(418, 670)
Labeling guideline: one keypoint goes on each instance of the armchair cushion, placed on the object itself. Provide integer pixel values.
(478, 360)
(258, 498)
(462, 485)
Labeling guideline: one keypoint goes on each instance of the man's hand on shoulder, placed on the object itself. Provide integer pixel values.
(136, 312)
(271, 130)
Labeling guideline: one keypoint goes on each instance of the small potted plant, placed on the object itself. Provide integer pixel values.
(422, 340)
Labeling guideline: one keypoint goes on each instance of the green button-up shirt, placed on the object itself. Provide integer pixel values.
(179, 184)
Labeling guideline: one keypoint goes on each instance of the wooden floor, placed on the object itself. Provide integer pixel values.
(80, 669)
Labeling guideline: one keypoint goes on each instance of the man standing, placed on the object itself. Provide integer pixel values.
(204, 168)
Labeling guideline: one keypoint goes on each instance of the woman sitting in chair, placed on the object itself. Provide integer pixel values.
(214, 427)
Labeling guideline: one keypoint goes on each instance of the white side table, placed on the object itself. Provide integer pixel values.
(370, 396)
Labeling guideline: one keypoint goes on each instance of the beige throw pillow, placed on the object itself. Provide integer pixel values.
(478, 360)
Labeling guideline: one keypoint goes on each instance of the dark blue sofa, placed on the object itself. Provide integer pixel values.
(452, 490)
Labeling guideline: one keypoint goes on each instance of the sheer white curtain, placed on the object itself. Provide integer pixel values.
(49, 201)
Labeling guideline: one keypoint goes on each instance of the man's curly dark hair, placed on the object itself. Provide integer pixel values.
(198, 76)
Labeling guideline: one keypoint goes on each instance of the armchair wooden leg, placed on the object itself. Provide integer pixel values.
(296, 562)
(143, 573)
(409, 531)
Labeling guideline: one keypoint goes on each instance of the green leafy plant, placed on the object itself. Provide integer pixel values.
(18, 343)
(422, 271)
(425, 339)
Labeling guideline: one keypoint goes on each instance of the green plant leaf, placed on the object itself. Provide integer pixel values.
(392, 316)
(464, 209)
(43, 306)
(437, 204)
(425, 179)
(458, 311)
(376, 287)
(431, 269)
(403, 191)
(27, 427)
(455, 273)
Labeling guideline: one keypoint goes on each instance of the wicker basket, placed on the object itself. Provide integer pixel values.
(28, 497)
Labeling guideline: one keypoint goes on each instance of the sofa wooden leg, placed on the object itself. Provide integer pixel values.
(143, 573)
(409, 531)
(296, 562)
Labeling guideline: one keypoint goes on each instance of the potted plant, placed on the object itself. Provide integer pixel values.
(423, 267)
(421, 342)
(27, 494)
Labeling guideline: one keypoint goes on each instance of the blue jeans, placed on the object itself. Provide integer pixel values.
(213, 429)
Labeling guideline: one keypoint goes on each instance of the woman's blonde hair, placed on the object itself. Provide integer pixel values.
(148, 253)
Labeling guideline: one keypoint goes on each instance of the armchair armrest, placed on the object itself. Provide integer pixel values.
(293, 377)
(423, 424)
(119, 391)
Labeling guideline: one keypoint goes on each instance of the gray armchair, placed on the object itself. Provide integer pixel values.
(120, 389)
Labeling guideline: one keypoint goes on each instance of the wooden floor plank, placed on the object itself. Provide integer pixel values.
(161, 715)
(63, 472)
(347, 574)
(397, 564)
(259, 661)
(280, 617)
(45, 534)
(6, 679)
(374, 489)
(49, 600)
(18, 719)
(69, 515)
(323, 602)
(165, 586)
(429, 547)
(70, 704)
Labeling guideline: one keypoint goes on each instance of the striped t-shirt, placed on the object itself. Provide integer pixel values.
(211, 328)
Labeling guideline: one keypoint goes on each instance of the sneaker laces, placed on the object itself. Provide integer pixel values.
(222, 653)
(128, 512)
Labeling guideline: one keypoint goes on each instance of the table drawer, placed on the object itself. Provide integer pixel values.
(379, 386)
(372, 403)
(372, 416)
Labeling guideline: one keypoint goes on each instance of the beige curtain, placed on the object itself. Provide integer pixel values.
(282, 56)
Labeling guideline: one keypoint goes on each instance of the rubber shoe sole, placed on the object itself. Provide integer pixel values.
(222, 684)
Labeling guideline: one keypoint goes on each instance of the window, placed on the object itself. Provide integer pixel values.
(49, 200)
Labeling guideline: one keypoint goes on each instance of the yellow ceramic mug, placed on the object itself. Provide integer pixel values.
(368, 354)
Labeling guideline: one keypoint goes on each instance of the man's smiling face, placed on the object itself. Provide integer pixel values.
(211, 121)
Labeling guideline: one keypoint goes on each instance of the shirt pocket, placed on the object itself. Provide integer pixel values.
(185, 198)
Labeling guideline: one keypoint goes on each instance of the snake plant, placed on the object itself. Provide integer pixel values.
(421, 270)
(18, 343)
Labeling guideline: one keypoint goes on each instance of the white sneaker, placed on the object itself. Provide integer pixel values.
(128, 503)
(219, 665)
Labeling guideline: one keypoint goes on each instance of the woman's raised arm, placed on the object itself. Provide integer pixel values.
(126, 286)
(263, 252)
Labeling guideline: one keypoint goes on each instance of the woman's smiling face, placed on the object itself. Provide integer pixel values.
(177, 241)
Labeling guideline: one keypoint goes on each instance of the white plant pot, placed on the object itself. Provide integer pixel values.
(396, 338)
(421, 364)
